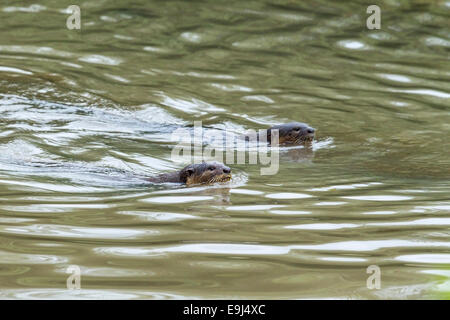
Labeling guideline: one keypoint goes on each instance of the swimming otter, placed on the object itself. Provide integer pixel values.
(205, 172)
(292, 133)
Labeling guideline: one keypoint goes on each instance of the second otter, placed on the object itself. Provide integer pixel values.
(201, 173)
(292, 133)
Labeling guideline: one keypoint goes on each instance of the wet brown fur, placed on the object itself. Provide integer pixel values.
(201, 173)
(293, 133)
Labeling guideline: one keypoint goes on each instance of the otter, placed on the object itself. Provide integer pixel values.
(201, 173)
(293, 133)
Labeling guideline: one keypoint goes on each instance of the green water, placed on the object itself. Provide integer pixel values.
(374, 189)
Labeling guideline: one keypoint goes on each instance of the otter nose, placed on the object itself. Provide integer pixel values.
(310, 130)
(226, 170)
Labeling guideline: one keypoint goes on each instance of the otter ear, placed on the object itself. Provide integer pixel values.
(189, 172)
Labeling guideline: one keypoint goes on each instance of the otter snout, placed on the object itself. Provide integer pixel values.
(310, 130)
(226, 170)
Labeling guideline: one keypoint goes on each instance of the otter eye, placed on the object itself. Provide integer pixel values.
(296, 129)
(211, 168)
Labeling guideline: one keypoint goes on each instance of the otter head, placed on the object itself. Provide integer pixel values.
(205, 172)
(292, 133)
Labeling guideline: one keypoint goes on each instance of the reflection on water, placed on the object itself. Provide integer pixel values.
(86, 115)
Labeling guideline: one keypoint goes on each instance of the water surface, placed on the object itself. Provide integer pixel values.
(85, 114)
